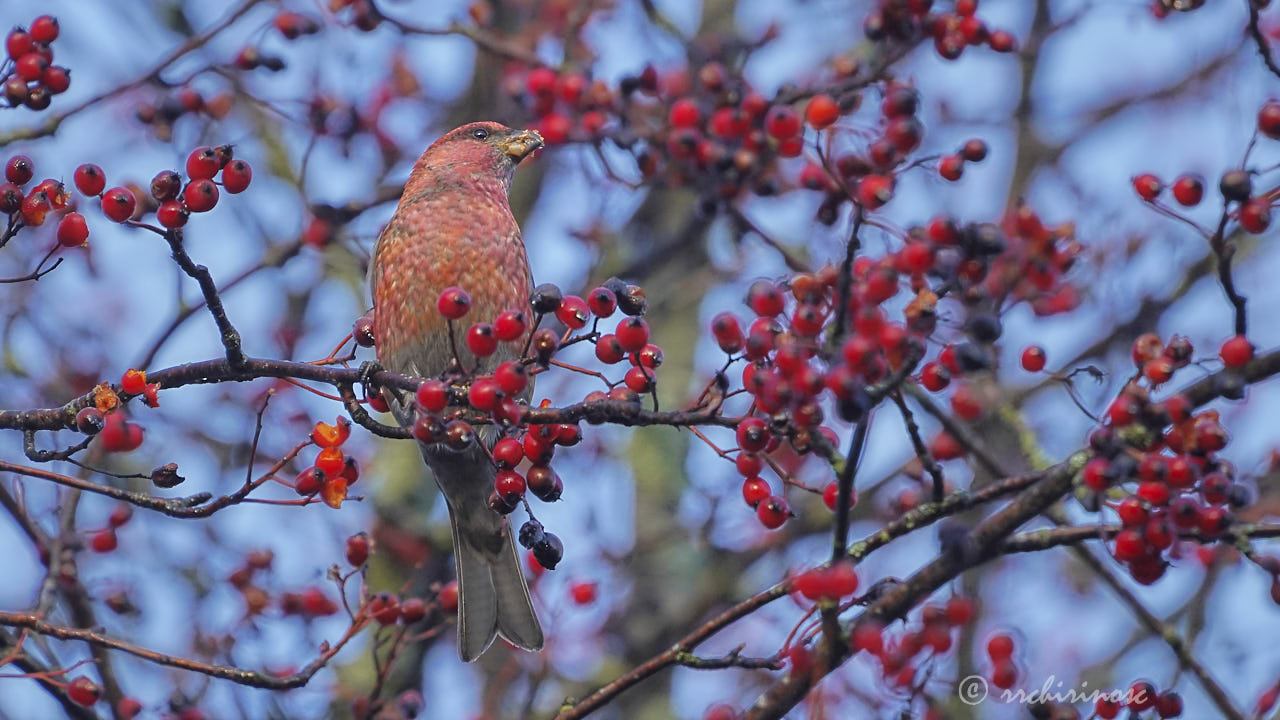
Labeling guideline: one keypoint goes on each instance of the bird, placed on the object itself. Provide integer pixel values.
(453, 227)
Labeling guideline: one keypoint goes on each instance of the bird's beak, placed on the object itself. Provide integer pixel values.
(521, 145)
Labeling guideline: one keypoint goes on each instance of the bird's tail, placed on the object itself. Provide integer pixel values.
(493, 598)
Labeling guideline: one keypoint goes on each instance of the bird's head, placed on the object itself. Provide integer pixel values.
(485, 148)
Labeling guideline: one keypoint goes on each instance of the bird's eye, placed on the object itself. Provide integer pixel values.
(480, 133)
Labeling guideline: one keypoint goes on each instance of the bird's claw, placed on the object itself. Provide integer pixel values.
(368, 369)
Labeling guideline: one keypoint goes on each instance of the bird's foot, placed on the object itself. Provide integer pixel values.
(368, 369)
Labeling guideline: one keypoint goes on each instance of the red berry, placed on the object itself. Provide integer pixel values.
(609, 350)
(172, 214)
(1033, 358)
(555, 128)
(31, 66)
(748, 464)
(83, 691)
(1128, 545)
(965, 404)
(1132, 512)
(1002, 41)
(944, 446)
(433, 395)
(755, 490)
(602, 302)
(200, 195)
(583, 593)
(236, 176)
(509, 484)
(753, 435)
(959, 610)
(133, 382)
(35, 207)
(56, 78)
(509, 326)
(1269, 119)
(90, 180)
(875, 190)
(128, 708)
(1000, 647)
(974, 150)
(1004, 675)
(727, 332)
(1236, 352)
(868, 636)
(632, 334)
(448, 597)
(73, 231)
(203, 163)
(119, 435)
(1141, 696)
(484, 394)
(1188, 190)
(951, 167)
(900, 101)
(639, 381)
(934, 376)
(357, 549)
(508, 452)
(453, 303)
(904, 133)
(18, 43)
(1169, 704)
(842, 580)
(19, 170)
(573, 312)
(782, 122)
(118, 204)
(684, 113)
(104, 541)
(1255, 215)
(481, 340)
(512, 377)
(821, 111)
(540, 81)
(1148, 186)
(330, 462)
(1095, 474)
(54, 191)
(811, 584)
(44, 29)
(773, 511)
(916, 256)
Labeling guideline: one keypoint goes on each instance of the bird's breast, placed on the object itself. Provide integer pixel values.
(435, 241)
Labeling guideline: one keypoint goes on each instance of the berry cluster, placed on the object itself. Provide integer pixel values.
(1140, 697)
(869, 177)
(448, 407)
(906, 657)
(105, 540)
(161, 114)
(1252, 210)
(795, 351)
(909, 21)
(1155, 462)
(171, 201)
(707, 128)
(31, 207)
(28, 75)
(332, 473)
